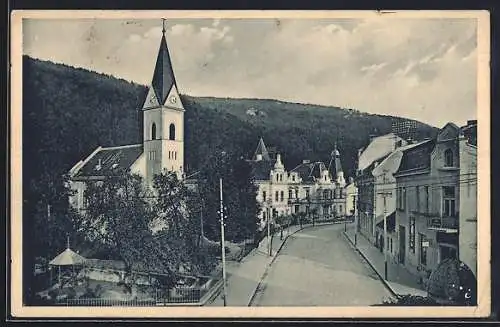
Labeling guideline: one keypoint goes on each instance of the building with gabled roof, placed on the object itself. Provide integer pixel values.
(436, 209)
(369, 157)
(310, 188)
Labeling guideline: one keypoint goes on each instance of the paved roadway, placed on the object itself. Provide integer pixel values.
(318, 267)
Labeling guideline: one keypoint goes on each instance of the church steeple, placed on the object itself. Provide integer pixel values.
(163, 118)
(163, 76)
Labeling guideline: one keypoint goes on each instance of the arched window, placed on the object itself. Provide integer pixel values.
(448, 158)
(153, 131)
(171, 135)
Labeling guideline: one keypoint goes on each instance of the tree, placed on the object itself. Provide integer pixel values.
(120, 215)
(239, 196)
(178, 210)
(409, 300)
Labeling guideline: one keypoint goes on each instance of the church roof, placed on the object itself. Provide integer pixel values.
(163, 76)
(109, 161)
(262, 150)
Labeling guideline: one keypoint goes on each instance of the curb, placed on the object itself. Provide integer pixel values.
(259, 285)
(386, 284)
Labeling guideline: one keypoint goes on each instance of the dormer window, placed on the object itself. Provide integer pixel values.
(99, 165)
(448, 158)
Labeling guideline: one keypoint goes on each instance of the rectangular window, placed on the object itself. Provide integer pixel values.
(417, 195)
(400, 198)
(297, 193)
(307, 193)
(448, 201)
(282, 196)
(289, 194)
(264, 195)
(426, 202)
(277, 195)
(411, 241)
(423, 249)
(293, 178)
(403, 196)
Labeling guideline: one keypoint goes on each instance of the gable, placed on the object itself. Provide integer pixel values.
(151, 99)
(449, 131)
(173, 99)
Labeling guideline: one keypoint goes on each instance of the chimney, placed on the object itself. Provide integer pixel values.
(259, 157)
(306, 161)
(351, 180)
(472, 122)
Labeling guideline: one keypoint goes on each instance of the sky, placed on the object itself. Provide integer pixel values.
(424, 69)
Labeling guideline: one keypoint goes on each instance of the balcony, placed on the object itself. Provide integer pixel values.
(444, 224)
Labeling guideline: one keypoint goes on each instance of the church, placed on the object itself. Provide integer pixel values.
(162, 147)
(312, 188)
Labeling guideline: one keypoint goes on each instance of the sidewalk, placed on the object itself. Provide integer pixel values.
(399, 280)
(245, 277)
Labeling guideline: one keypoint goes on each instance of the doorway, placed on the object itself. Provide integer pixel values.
(402, 244)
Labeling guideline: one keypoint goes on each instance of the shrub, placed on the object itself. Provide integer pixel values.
(409, 300)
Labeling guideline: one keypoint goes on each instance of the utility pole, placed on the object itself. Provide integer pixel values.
(269, 249)
(385, 195)
(222, 213)
(269, 244)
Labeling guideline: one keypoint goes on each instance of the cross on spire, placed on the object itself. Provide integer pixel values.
(67, 241)
(163, 25)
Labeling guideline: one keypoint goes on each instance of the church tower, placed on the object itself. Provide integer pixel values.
(163, 114)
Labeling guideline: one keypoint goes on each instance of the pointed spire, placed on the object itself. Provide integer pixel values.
(163, 76)
(261, 152)
(67, 241)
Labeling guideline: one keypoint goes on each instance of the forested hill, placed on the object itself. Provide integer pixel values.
(68, 112)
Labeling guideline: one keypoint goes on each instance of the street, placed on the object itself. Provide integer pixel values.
(318, 267)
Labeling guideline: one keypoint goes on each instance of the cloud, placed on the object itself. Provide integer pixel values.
(417, 68)
(134, 38)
